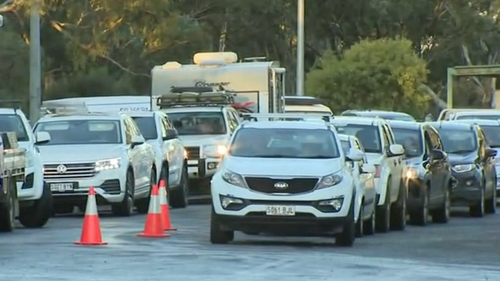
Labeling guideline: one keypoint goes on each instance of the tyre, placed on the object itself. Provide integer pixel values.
(125, 208)
(442, 215)
(383, 216)
(38, 214)
(217, 235)
(491, 203)
(142, 204)
(398, 210)
(7, 212)
(420, 216)
(360, 223)
(478, 209)
(369, 227)
(348, 235)
(179, 198)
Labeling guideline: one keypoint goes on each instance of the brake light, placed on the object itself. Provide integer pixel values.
(378, 170)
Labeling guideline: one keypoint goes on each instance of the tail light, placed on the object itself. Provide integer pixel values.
(378, 170)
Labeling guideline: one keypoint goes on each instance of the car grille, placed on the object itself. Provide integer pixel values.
(294, 186)
(81, 170)
(193, 152)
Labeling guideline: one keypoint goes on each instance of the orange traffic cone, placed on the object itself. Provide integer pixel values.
(91, 230)
(165, 209)
(153, 228)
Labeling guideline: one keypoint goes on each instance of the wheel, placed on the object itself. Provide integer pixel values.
(348, 235)
(7, 212)
(369, 227)
(383, 216)
(442, 215)
(398, 211)
(179, 197)
(125, 208)
(142, 204)
(38, 214)
(491, 203)
(477, 210)
(360, 223)
(420, 216)
(217, 235)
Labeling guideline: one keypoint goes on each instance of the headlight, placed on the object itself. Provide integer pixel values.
(329, 180)
(212, 150)
(411, 173)
(185, 154)
(107, 164)
(463, 168)
(233, 178)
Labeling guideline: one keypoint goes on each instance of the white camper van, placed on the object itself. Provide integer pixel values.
(259, 86)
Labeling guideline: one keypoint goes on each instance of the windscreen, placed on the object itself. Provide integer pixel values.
(346, 146)
(410, 139)
(147, 125)
(483, 117)
(70, 132)
(458, 141)
(198, 123)
(13, 123)
(492, 134)
(284, 143)
(368, 135)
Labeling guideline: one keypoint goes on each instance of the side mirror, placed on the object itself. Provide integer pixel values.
(491, 152)
(42, 137)
(396, 150)
(368, 169)
(355, 155)
(437, 154)
(171, 134)
(137, 140)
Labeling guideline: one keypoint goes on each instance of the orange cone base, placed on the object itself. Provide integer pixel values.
(90, 243)
(163, 235)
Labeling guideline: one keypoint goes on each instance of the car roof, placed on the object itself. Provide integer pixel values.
(141, 113)
(80, 116)
(374, 113)
(480, 122)
(477, 113)
(451, 125)
(373, 121)
(306, 125)
(404, 124)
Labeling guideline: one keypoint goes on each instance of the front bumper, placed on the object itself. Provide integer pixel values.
(108, 185)
(32, 186)
(468, 188)
(202, 168)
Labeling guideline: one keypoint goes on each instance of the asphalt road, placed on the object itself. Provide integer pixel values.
(465, 249)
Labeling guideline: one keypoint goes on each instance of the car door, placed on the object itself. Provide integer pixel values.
(131, 152)
(487, 162)
(172, 146)
(366, 178)
(437, 169)
(140, 160)
(391, 163)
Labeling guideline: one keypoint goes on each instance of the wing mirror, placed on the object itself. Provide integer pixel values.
(437, 154)
(491, 152)
(42, 137)
(137, 140)
(368, 169)
(396, 150)
(355, 155)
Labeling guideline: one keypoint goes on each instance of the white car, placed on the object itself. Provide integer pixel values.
(34, 195)
(382, 151)
(101, 150)
(171, 160)
(285, 177)
(364, 177)
(203, 127)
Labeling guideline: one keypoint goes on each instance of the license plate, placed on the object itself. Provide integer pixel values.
(62, 187)
(280, 211)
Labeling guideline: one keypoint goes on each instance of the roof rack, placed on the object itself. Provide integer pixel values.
(286, 117)
(195, 96)
(297, 100)
(54, 107)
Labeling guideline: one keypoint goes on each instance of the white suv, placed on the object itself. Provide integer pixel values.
(104, 151)
(284, 177)
(381, 150)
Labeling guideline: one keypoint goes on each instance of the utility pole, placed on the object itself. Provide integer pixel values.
(300, 47)
(35, 63)
(1, 23)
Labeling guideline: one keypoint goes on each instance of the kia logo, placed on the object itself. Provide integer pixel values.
(281, 185)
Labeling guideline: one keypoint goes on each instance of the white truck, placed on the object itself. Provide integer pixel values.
(259, 86)
(12, 164)
(35, 198)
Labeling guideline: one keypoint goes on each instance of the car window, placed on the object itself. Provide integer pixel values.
(492, 135)
(232, 121)
(368, 135)
(13, 123)
(199, 123)
(284, 143)
(346, 146)
(147, 126)
(458, 141)
(435, 139)
(410, 139)
(81, 131)
(385, 137)
(484, 117)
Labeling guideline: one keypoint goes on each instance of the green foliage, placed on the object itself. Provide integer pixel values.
(383, 74)
(14, 65)
(98, 82)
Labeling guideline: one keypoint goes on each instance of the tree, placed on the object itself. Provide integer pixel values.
(382, 74)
